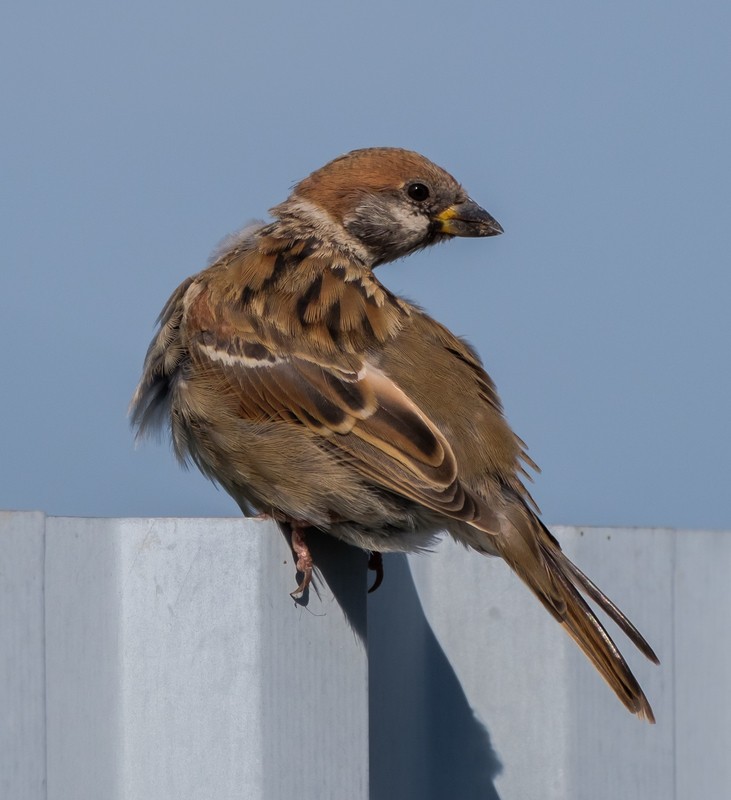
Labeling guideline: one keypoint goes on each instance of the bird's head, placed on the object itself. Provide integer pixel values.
(385, 203)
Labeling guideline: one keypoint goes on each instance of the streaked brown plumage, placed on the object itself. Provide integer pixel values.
(291, 376)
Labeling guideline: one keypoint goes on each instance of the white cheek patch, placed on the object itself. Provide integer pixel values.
(414, 226)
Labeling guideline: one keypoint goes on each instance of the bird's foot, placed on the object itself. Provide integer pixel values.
(304, 560)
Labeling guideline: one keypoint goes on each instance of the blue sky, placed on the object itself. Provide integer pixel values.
(137, 135)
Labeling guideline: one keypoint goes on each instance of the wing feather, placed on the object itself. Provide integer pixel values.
(364, 415)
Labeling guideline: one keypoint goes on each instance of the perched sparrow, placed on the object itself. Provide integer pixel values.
(291, 376)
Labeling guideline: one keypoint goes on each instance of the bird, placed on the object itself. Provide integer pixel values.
(292, 377)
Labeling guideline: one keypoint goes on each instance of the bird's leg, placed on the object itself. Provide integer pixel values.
(375, 563)
(304, 558)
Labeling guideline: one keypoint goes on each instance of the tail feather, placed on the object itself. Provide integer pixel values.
(588, 632)
(558, 584)
(610, 609)
(598, 596)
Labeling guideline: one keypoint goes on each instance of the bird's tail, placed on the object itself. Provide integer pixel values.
(535, 555)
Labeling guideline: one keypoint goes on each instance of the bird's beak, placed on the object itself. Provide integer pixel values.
(467, 219)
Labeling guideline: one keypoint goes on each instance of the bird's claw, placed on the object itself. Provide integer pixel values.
(375, 563)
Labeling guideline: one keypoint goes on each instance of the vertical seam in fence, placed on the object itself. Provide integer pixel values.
(673, 638)
(44, 667)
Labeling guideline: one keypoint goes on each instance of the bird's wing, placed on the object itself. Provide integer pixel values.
(361, 413)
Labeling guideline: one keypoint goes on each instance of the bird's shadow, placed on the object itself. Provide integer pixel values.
(425, 741)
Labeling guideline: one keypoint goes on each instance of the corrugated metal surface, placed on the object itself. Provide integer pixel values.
(164, 658)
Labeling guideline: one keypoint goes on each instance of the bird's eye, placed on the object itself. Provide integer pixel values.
(418, 192)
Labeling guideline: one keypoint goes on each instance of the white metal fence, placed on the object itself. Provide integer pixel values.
(164, 659)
